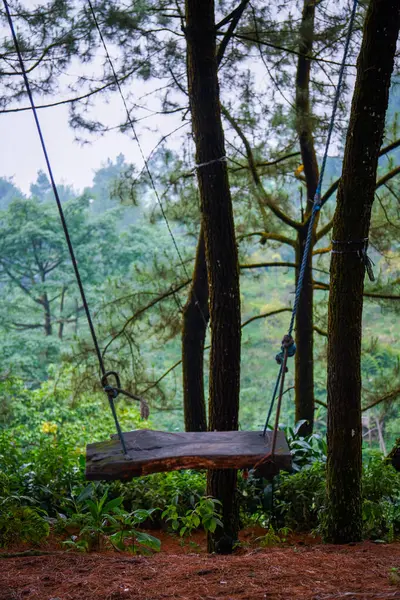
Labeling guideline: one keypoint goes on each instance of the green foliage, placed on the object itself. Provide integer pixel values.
(22, 524)
(381, 504)
(300, 497)
(104, 522)
(273, 537)
(43, 435)
(305, 450)
(205, 514)
(18, 522)
(181, 489)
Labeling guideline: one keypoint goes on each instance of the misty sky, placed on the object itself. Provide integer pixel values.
(72, 162)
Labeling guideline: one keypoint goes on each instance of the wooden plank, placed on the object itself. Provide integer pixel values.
(158, 451)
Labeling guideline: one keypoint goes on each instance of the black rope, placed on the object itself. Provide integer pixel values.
(145, 162)
(111, 394)
(359, 247)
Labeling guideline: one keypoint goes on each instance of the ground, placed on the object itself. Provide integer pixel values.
(299, 571)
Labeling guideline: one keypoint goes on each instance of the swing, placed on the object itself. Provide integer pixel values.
(141, 452)
(157, 451)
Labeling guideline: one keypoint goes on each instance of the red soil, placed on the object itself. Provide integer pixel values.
(297, 572)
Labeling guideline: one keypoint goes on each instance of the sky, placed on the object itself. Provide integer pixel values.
(22, 157)
(73, 163)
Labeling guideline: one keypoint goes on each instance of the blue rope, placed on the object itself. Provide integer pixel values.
(315, 210)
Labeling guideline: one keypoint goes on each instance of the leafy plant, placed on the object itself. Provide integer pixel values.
(182, 489)
(19, 523)
(104, 521)
(381, 504)
(205, 514)
(125, 536)
(273, 537)
(300, 497)
(22, 524)
(305, 450)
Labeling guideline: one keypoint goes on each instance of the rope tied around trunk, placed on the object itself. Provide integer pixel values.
(222, 159)
(350, 247)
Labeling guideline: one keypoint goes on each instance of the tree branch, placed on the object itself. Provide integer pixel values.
(271, 163)
(268, 264)
(248, 38)
(35, 64)
(265, 315)
(265, 235)
(264, 198)
(234, 19)
(23, 326)
(320, 285)
(332, 189)
(389, 396)
(320, 331)
(322, 250)
(174, 366)
(71, 100)
(382, 181)
(143, 309)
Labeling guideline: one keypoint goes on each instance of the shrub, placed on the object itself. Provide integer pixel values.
(381, 500)
(299, 498)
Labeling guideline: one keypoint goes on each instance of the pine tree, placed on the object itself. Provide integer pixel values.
(351, 225)
(220, 250)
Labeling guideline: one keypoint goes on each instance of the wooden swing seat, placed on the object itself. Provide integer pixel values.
(157, 451)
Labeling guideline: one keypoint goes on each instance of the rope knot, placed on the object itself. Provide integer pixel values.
(112, 393)
(288, 346)
(110, 390)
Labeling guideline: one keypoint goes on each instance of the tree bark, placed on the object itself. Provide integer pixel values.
(221, 252)
(304, 362)
(351, 224)
(194, 329)
(48, 329)
(61, 325)
(394, 455)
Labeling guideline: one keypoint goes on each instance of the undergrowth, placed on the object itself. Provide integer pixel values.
(42, 485)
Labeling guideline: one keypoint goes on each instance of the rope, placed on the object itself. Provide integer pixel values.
(111, 392)
(361, 251)
(316, 207)
(211, 162)
(145, 161)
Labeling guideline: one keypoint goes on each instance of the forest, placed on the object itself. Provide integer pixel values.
(242, 275)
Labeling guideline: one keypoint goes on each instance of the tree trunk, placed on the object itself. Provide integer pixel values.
(304, 361)
(351, 225)
(221, 251)
(61, 325)
(76, 315)
(194, 329)
(304, 357)
(394, 455)
(48, 329)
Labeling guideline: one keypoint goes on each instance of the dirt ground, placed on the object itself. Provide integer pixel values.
(300, 571)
